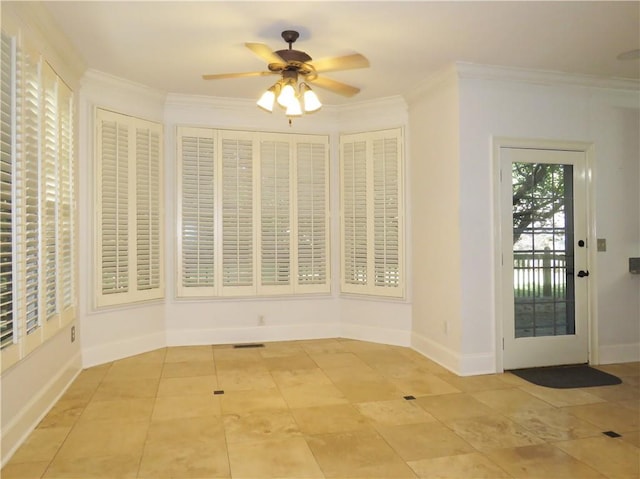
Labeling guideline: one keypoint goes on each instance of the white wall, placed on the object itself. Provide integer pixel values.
(615, 127)
(30, 387)
(435, 200)
(506, 103)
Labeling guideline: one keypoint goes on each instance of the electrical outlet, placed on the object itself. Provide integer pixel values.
(261, 320)
(73, 333)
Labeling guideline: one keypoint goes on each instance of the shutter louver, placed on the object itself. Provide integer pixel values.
(31, 190)
(197, 211)
(147, 209)
(237, 213)
(355, 212)
(231, 181)
(372, 213)
(36, 201)
(66, 186)
(115, 207)
(7, 286)
(50, 180)
(312, 215)
(275, 258)
(386, 213)
(129, 200)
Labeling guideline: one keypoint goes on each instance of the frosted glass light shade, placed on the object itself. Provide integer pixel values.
(311, 101)
(267, 99)
(294, 108)
(287, 94)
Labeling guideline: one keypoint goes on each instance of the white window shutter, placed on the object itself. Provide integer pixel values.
(312, 214)
(237, 214)
(50, 196)
(66, 225)
(129, 203)
(355, 254)
(148, 259)
(197, 212)
(275, 215)
(31, 191)
(386, 212)
(253, 213)
(113, 202)
(8, 336)
(36, 201)
(372, 213)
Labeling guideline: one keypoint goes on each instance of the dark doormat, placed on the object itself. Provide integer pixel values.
(567, 377)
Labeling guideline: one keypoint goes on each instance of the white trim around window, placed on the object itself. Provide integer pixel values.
(253, 213)
(129, 210)
(372, 213)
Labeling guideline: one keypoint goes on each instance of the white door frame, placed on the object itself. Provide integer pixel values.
(539, 144)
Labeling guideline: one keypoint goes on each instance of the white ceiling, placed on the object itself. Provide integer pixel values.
(169, 45)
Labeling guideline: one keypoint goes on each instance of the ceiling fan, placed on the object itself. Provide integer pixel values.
(292, 64)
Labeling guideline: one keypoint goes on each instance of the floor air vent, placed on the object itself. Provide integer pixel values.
(249, 345)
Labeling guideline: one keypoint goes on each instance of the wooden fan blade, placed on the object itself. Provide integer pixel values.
(335, 86)
(348, 62)
(222, 76)
(264, 52)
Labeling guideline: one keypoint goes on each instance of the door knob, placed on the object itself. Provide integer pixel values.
(582, 274)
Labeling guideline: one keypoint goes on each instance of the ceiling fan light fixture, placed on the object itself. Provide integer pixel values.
(267, 99)
(310, 99)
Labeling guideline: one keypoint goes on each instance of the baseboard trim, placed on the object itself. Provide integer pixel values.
(285, 332)
(125, 348)
(619, 353)
(445, 357)
(477, 364)
(375, 335)
(18, 429)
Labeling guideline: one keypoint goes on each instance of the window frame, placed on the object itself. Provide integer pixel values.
(43, 184)
(133, 293)
(367, 212)
(257, 287)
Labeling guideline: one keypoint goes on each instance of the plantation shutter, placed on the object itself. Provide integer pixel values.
(372, 213)
(37, 291)
(386, 212)
(50, 192)
(354, 214)
(7, 130)
(114, 203)
(66, 205)
(237, 214)
(275, 215)
(197, 212)
(312, 195)
(148, 208)
(129, 154)
(249, 221)
(30, 167)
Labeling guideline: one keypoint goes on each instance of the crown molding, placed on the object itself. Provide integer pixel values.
(40, 30)
(128, 97)
(541, 77)
(443, 77)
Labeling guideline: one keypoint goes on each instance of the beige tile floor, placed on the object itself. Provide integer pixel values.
(327, 409)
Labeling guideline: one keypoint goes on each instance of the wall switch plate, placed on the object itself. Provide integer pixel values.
(602, 244)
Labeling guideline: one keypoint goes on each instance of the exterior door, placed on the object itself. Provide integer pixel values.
(544, 257)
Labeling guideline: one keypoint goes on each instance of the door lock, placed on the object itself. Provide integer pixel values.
(582, 274)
